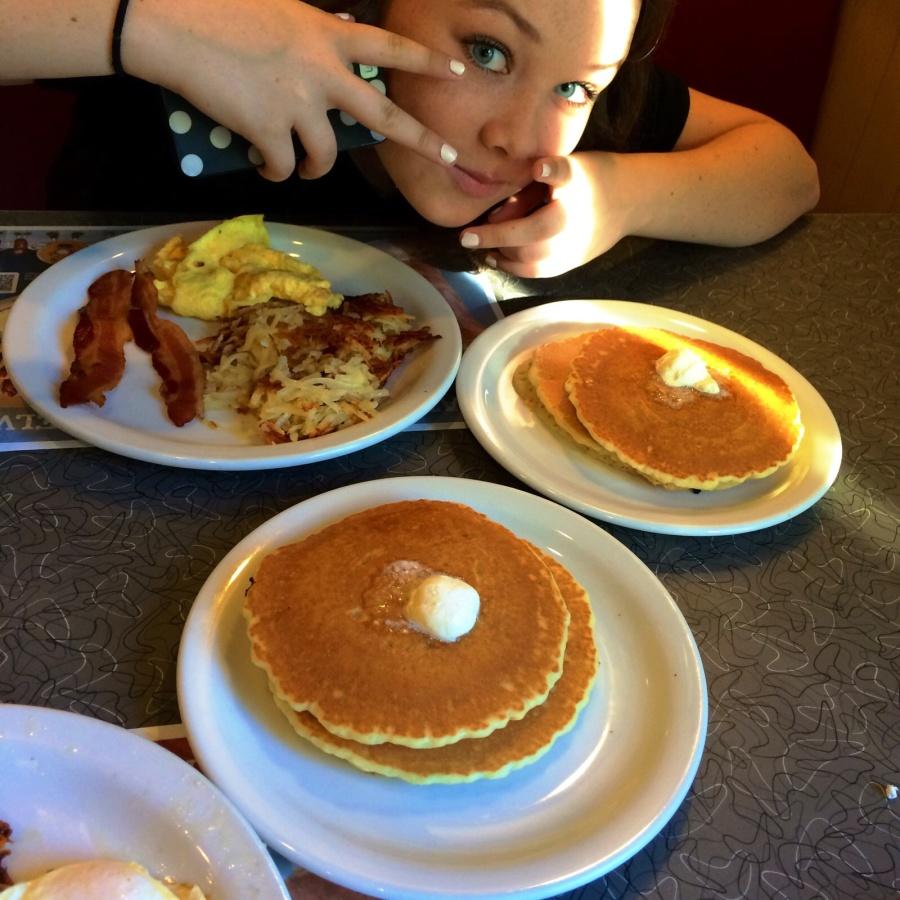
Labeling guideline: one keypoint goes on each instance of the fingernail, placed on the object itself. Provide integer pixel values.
(470, 240)
(545, 170)
(457, 67)
(345, 16)
(448, 154)
(491, 261)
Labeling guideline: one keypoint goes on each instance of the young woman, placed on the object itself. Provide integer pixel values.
(540, 130)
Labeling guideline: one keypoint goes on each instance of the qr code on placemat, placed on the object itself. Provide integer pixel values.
(9, 282)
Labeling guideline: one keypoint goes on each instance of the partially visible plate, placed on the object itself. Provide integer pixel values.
(37, 351)
(600, 794)
(74, 788)
(512, 434)
(53, 251)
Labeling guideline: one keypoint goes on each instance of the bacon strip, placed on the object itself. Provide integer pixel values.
(99, 341)
(5, 835)
(172, 352)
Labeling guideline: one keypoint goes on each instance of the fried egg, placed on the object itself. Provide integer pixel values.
(102, 879)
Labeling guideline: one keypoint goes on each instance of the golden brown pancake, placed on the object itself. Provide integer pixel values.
(680, 437)
(551, 405)
(504, 750)
(550, 366)
(325, 622)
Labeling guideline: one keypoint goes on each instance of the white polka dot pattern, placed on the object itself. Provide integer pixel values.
(203, 146)
(191, 165)
(220, 137)
(180, 122)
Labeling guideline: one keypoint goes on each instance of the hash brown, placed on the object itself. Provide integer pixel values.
(303, 375)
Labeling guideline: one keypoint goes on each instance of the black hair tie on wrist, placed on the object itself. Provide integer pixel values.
(117, 38)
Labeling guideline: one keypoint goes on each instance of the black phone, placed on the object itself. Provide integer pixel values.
(204, 147)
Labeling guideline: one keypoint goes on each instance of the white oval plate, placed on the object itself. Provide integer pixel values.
(75, 788)
(595, 799)
(510, 432)
(37, 350)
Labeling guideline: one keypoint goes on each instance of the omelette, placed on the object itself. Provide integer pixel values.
(231, 267)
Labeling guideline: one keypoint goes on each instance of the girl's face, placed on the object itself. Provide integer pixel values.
(533, 68)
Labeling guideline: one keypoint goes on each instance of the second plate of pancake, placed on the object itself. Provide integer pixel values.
(543, 451)
(503, 750)
(331, 635)
(576, 799)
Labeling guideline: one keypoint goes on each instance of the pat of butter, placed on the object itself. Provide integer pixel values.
(683, 368)
(443, 607)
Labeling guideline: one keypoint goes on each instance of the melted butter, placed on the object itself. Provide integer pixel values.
(678, 397)
(684, 368)
(385, 596)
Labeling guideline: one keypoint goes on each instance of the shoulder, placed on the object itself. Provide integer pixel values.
(662, 114)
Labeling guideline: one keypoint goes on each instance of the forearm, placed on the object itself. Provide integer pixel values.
(164, 41)
(55, 38)
(184, 43)
(739, 188)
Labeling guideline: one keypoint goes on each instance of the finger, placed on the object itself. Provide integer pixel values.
(531, 253)
(318, 140)
(528, 253)
(377, 47)
(279, 157)
(539, 226)
(521, 204)
(539, 268)
(525, 270)
(368, 105)
(553, 170)
(508, 209)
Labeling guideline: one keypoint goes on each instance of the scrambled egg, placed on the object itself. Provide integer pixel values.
(96, 879)
(233, 266)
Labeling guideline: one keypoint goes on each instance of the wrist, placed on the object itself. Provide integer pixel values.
(147, 47)
(618, 200)
(116, 48)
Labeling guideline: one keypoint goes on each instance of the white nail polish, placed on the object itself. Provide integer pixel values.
(491, 261)
(469, 240)
(545, 170)
(448, 154)
(457, 67)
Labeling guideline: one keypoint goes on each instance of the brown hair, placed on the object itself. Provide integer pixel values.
(367, 11)
(618, 108)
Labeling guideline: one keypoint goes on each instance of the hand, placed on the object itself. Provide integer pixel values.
(565, 218)
(267, 69)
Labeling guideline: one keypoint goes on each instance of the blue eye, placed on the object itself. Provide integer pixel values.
(488, 55)
(575, 92)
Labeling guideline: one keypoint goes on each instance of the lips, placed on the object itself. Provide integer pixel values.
(475, 184)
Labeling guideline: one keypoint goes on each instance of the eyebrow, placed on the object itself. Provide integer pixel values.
(524, 25)
(502, 6)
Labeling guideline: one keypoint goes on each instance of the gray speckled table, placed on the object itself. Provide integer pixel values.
(798, 625)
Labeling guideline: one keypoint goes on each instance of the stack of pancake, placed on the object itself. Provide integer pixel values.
(325, 620)
(600, 392)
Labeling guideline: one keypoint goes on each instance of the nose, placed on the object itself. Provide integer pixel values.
(525, 128)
